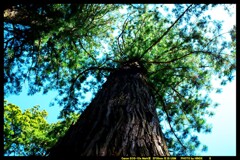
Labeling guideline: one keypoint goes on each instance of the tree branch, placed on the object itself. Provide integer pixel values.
(186, 100)
(170, 50)
(86, 70)
(166, 32)
(168, 117)
(215, 38)
(173, 60)
(176, 59)
(86, 50)
(121, 35)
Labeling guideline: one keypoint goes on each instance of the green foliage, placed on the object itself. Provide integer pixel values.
(65, 43)
(181, 50)
(28, 133)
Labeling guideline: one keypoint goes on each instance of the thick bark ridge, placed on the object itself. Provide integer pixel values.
(120, 121)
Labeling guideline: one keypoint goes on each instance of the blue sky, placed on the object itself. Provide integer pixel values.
(221, 141)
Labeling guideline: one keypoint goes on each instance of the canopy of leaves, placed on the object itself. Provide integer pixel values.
(28, 133)
(180, 48)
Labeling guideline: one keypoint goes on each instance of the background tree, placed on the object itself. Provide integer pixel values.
(28, 133)
(179, 52)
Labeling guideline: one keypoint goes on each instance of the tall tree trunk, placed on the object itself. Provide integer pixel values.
(120, 121)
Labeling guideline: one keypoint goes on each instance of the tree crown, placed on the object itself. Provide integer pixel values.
(179, 52)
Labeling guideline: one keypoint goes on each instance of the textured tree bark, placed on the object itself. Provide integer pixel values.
(120, 121)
